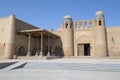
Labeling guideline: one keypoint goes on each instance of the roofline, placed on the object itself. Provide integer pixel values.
(37, 30)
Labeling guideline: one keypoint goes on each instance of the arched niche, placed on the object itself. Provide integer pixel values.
(83, 44)
(21, 51)
(83, 39)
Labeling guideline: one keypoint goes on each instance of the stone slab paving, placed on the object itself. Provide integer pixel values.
(73, 66)
(65, 69)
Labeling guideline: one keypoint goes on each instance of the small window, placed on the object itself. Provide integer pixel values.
(66, 25)
(100, 23)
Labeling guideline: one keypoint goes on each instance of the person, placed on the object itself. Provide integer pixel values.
(53, 53)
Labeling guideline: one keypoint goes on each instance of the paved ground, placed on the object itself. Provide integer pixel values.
(64, 69)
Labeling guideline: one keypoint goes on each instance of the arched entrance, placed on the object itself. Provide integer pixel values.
(83, 46)
(21, 51)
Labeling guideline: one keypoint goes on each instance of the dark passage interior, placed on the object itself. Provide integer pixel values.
(86, 49)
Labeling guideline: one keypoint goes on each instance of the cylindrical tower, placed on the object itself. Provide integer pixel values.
(67, 36)
(100, 30)
(10, 39)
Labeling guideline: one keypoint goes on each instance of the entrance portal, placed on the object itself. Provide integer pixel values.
(83, 49)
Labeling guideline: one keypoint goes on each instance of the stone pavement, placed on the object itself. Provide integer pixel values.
(64, 69)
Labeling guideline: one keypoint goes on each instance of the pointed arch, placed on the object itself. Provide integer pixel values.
(21, 51)
(83, 39)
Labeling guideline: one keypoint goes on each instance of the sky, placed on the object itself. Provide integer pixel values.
(48, 14)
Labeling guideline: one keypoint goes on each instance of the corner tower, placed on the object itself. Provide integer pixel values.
(100, 30)
(10, 41)
(67, 35)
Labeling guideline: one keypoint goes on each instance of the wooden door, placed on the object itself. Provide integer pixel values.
(80, 49)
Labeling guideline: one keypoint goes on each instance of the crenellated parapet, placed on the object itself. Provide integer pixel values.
(83, 25)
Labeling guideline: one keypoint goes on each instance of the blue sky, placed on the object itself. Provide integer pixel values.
(48, 14)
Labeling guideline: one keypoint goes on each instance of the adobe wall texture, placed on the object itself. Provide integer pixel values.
(113, 41)
(3, 34)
